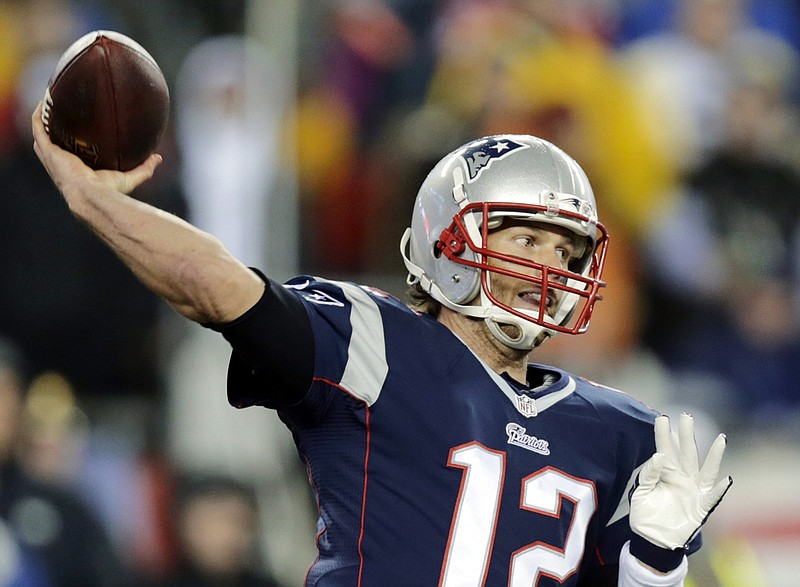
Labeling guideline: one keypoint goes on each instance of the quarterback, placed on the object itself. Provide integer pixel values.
(438, 454)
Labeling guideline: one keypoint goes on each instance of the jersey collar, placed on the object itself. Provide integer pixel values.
(537, 400)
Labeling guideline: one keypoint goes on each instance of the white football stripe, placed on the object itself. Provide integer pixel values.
(366, 367)
(624, 506)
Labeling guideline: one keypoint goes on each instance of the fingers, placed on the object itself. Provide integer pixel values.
(138, 175)
(36, 116)
(664, 442)
(715, 496)
(688, 444)
(126, 182)
(685, 453)
(710, 470)
(41, 140)
(49, 154)
(707, 476)
(37, 126)
(651, 472)
(663, 434)
(39, 133)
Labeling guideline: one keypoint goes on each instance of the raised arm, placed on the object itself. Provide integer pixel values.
(189, 268)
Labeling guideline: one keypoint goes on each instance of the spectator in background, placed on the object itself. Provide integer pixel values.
(61, 446)
(738, 300)
(50, 521)
(640, 18)
(19, 566)
(686, 73)
(372, 69)
(55, 431)
(216, 527)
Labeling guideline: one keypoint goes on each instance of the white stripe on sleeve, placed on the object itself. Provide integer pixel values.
(366, 367)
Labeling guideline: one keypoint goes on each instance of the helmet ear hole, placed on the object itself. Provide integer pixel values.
(437, 249)
(579, 263)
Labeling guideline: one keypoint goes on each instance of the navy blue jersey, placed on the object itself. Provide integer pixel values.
(431, 469)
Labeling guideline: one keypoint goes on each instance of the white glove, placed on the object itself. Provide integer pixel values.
(675, 496)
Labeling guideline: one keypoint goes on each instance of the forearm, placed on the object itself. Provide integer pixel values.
(189, 268)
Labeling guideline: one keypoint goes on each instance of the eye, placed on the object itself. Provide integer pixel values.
(524, 241)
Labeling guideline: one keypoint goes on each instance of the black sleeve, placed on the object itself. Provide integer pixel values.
(272, 361)
(604, 576)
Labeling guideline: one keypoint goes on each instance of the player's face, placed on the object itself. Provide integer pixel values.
(541, 243)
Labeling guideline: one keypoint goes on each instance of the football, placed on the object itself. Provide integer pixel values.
(107, 101)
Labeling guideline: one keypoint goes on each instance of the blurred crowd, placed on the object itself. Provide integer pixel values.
(121, 462)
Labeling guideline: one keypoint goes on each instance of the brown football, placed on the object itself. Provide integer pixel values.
(107, 101)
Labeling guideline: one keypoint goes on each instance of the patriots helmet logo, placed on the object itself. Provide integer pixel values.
(481, 156)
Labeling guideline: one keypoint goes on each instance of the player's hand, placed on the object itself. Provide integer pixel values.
(70, 174)
(675, 496)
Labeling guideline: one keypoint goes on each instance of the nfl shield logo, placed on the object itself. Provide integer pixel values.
(526, 406)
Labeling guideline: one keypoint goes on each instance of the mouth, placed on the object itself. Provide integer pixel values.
(533, 298)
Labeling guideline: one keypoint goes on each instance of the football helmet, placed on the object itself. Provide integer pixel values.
(470, 192)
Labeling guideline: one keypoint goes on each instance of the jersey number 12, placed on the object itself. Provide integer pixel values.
(466, 561)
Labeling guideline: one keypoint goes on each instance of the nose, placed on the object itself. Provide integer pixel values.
(551, 256)
(548, 256)
(543, 256)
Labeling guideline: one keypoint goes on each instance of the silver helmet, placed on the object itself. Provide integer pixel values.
(471, 191)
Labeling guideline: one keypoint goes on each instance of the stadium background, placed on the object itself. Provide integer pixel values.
(299, 133)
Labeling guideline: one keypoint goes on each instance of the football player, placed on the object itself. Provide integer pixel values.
(437, 453)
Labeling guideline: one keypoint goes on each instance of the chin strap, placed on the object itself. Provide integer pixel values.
(529, 335)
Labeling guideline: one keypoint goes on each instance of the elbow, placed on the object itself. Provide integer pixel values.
(216, 287)
(203, 283)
